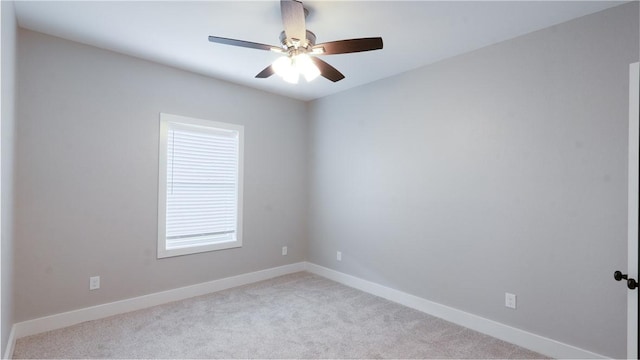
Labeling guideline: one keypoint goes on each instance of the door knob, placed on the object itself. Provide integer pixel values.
(631, 283)
(619, 275)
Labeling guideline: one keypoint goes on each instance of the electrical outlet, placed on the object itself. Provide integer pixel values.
(510, 300)
(339, 256)
(284, 250)
(94, 283)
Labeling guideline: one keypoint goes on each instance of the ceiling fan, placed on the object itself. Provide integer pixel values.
(299, 48)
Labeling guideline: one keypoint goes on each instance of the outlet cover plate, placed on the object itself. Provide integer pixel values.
(510, 300)
(94, 283)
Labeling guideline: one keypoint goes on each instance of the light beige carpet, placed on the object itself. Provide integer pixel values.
(294, 316)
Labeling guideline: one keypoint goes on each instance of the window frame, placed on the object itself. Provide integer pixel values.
(206, 126)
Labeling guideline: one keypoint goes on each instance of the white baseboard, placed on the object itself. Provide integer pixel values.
(537, 343)
(11, 343)
(540, 344)
(58, 321)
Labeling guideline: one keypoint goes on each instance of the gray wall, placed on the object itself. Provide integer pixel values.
(87, 176)
(501, 170)
(9, 33)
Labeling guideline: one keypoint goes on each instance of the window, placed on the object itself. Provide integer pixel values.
(200, 186)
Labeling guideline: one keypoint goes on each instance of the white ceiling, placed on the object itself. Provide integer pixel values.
(415, 33)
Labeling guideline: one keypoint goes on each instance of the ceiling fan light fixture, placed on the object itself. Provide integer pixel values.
(297, 44)
(306, 67)
(291, 67)
(285, 68)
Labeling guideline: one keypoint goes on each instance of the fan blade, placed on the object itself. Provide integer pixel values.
(327, 70)
(268, 71)
(348, 46)
(293, 20)
(242, 43)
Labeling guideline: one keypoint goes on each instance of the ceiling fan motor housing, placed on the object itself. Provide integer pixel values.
(307, 44)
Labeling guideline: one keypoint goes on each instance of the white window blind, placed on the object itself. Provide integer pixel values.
(202, 185)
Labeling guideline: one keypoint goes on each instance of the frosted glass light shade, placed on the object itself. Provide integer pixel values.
(285, 68)
(306, 67)
(290, 68)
